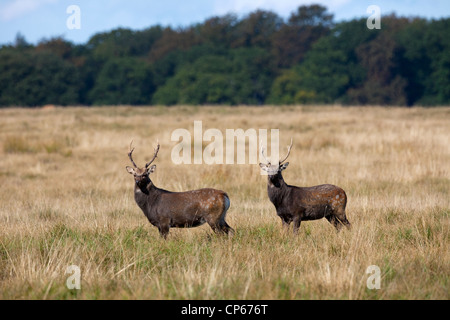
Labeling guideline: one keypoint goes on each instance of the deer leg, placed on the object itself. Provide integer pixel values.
(164, 230)
(297, 221)
(225, 228)
(215, 226)
(341, 219)
(221, 227)
(335, 222)
(285, 225)
(345, 222)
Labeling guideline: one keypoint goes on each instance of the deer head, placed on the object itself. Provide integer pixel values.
(274, 169)
(141, 175)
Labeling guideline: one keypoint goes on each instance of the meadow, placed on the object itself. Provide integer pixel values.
(66, 199)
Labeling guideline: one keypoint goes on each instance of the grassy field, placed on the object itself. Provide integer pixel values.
(66, 199)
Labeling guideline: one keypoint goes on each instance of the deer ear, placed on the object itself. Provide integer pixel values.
(130, 170)
(151, 169)
(263, 166)
(284, 166)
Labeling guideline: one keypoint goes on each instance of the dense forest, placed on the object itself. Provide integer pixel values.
(258, 59)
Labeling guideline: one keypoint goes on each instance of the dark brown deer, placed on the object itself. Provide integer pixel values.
(297, 204)
(165, 209)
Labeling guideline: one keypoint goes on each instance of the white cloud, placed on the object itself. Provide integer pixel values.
(282, 7)
(17, 8)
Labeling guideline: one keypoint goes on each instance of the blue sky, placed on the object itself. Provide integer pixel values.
(38, 19)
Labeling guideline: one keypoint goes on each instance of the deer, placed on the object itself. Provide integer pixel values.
(166, 209)
(297, 204)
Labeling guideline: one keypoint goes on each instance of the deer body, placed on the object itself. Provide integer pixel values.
(297, 204)
(166, 209)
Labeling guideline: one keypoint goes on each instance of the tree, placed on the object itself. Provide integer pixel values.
(260, 58)
(257, 29)
(36, 78)
(123, 81)
(20, 42)
(329, 68)
(312, 16)
(285, 87)
(57, 46)
(380, 58)
(304, 28)
(438, 84)
(424, 61)
(173, 40)
(238, 76)
(218, 31)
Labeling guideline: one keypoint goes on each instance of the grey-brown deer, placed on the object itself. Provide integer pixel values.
(166, 209)
(297, 204)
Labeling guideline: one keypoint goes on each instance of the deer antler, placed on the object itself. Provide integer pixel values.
(289, 151)
(154, 156)
(130, 155)
(262, 152)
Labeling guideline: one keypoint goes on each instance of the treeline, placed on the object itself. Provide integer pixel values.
(259, 59)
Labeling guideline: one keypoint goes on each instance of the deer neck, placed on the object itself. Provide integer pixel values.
(144, 191)
(276, 181)
(276, 188)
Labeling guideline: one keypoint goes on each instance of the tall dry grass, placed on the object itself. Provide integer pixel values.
(66, 199)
